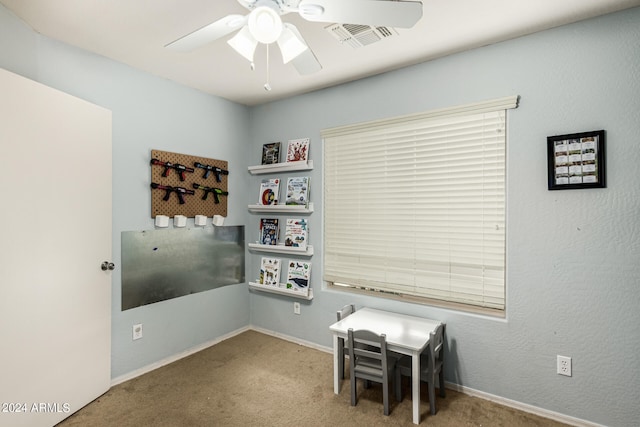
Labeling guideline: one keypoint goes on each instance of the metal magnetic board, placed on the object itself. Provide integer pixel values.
(158, 265)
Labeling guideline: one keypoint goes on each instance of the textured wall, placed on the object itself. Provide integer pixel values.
(573, 256)
(148, 113)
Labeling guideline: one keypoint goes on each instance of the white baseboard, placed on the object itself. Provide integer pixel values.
(456, 387)
(175, 357)
(556, 416)
(293, 339)
(462, 389)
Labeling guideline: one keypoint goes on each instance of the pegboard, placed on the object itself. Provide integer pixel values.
(194, 204)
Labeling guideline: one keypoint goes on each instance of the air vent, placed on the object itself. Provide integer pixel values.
(358, 36)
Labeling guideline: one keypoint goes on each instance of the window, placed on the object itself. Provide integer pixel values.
(415, 206)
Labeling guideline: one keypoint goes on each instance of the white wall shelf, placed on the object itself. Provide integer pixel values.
(282, 290)
(291, 209)
(282, 249)
(281, 167)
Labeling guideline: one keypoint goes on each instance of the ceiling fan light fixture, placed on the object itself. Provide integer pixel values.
(290, 45)
(244, 43)
(265, 24)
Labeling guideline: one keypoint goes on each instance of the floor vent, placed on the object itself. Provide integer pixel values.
(358, 36)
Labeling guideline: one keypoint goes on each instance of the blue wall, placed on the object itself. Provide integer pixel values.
(573, 257)
(148, 113)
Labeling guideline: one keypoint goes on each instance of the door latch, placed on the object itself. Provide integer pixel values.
(107, 266)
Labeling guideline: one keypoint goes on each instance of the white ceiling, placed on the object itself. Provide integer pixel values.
(135, 33)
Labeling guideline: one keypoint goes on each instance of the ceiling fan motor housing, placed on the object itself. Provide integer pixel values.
(277, 5)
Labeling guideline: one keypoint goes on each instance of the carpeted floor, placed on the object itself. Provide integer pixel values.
(255, 379)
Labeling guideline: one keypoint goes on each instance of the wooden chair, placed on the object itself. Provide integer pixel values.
(431, 366)
(342, 346)
(368, 361)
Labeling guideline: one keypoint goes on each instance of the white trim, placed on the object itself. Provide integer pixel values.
(556, 416)
(160, 363)
(293, 339)
(505, 103)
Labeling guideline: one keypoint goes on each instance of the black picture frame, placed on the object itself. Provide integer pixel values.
(576, 160)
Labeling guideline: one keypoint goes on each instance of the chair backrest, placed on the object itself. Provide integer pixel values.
(436, 345)
(368, 354)
(345, 311)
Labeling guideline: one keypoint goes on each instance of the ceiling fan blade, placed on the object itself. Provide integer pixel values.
(306, 62)
(208, 33)
(290, 44)
(377, 13)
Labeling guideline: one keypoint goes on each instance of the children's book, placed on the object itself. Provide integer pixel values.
(269, 231)
(269, 190)
(298, 275)
(270, 271)
(297, 191)
(298, 150)
(271, 153)
(296, 233)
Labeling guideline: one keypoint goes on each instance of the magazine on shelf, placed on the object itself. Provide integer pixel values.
(298, 275)
(271, 153)
(298, 150)
(297, 191)
(296, 233)
(269, 231)
(270, 271)
(269, 190)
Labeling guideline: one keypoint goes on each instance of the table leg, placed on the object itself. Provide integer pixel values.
(415, 386)
(336, 375)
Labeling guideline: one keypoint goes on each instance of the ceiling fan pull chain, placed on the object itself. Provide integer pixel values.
(267, 86)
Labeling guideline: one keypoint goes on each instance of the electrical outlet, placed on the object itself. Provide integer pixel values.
(137, 331)
(296, 308)
(564, 365)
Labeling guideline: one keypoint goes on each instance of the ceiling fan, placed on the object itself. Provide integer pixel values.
(264, 25)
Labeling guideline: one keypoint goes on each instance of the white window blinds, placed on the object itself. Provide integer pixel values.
(416, 205)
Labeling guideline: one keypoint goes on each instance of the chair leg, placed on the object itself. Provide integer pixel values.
(354, 398)
(432, 395)
(341, 357)
(397, 384)
(441, 383)
(385, 398)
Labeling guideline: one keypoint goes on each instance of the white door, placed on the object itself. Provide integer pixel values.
(55, 231)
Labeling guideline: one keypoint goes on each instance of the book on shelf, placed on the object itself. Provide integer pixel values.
(269, 190)
(297, 191)
(270, 271)
(296, 230)
(269, 231)
(271, 153)
(298, 150)
(298, 275)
